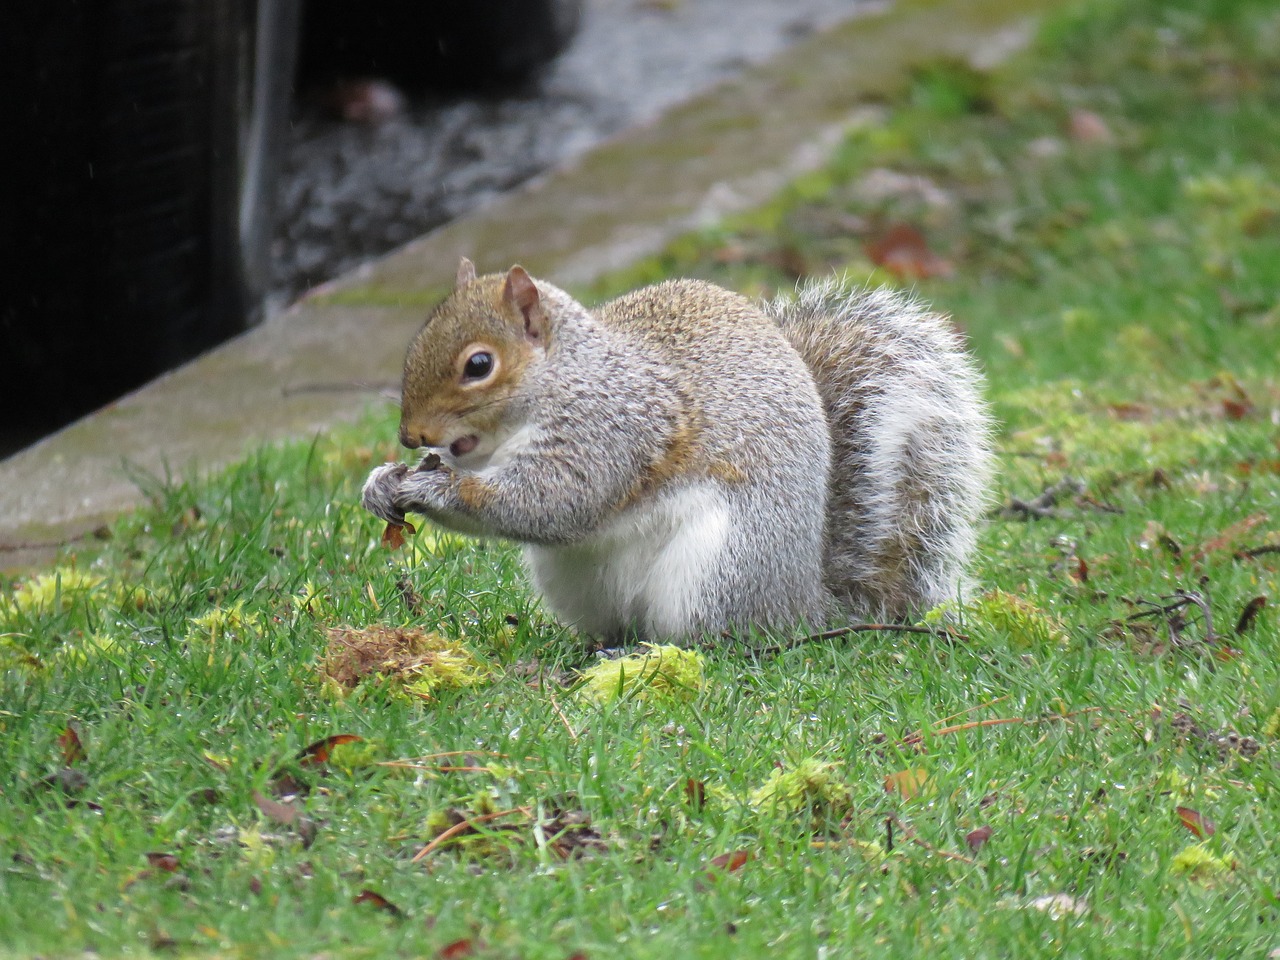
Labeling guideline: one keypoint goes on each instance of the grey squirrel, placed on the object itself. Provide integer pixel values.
(684, 461)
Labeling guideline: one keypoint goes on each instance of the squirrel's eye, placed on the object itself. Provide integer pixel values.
(478, 366)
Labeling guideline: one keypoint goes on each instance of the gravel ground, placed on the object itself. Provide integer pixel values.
(352, 191)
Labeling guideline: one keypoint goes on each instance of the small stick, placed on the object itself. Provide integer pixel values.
(910, 834)
(1257, 551)
(844, 631)
(563, 719)
(1198, 599)
(1043, 505)
(912, 739)
(458, 828)
(981, 706)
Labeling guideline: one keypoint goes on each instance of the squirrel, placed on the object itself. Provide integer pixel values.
(683, 461)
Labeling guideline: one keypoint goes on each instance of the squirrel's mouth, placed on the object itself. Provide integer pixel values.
(464, 445)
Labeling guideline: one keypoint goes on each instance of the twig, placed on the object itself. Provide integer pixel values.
(1043, 505)
(1199, 600)
(980, 706)
(850, 628)
(910, 834)
(563, 719)
(1234, 532)
(1252, 552)
(465, 825)
(1178, 600)
(913, 739)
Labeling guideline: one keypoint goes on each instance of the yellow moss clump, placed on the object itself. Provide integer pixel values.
(662, 671)
(48, 592)
(87, 648)
(212, 630)
(222, 622)
(1196, 862)
(810, 788)
(412, 661)
(1271, 729)
(999, 612)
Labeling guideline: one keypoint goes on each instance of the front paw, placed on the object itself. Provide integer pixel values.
(380, 490)
(423, 490)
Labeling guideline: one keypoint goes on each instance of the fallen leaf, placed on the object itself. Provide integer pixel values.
(393, 535)
(1081, 572)
(906, 783)
(288, 815)
(1196, 822)
(695, 793)
(72, 749)
(1085, 126)
(164, 861)
(1249, 614)
(904, 252)
(1234, 409)
(459, 948)
(317, 753)
(285, 813)
(725, 863)
(977, 839)
(378, 900)
(730, 862)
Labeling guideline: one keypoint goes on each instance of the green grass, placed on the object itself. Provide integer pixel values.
(1122, 294)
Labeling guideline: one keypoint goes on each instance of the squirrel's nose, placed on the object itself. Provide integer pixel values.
(415, 437)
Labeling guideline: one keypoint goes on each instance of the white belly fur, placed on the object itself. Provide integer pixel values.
(645, 571)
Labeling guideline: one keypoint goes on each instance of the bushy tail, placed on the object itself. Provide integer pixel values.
(911, 453)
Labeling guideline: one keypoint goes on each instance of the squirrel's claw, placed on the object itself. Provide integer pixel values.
(380, 490)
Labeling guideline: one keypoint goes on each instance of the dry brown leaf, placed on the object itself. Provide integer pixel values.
(906, 783)
(164, 861)
(729, 862)
(1196, 822)
(379, 901)
(393, 535)
(72, 749)
(977, 839)
(317, 753)
(283, 813)
(904, 252)
(1249, 614)
(695, 793)
(1085, 126)
(458, 949)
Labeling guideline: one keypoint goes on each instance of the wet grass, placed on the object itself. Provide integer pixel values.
(1102, 218)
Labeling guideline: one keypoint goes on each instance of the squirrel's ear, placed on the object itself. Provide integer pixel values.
(521, 292)
(466, 273)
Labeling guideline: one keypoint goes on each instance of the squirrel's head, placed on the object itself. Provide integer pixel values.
(464, 368)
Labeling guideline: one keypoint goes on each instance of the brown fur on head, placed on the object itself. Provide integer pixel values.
(467, 362)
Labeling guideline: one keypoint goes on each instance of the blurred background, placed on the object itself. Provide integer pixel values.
(186, 167)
